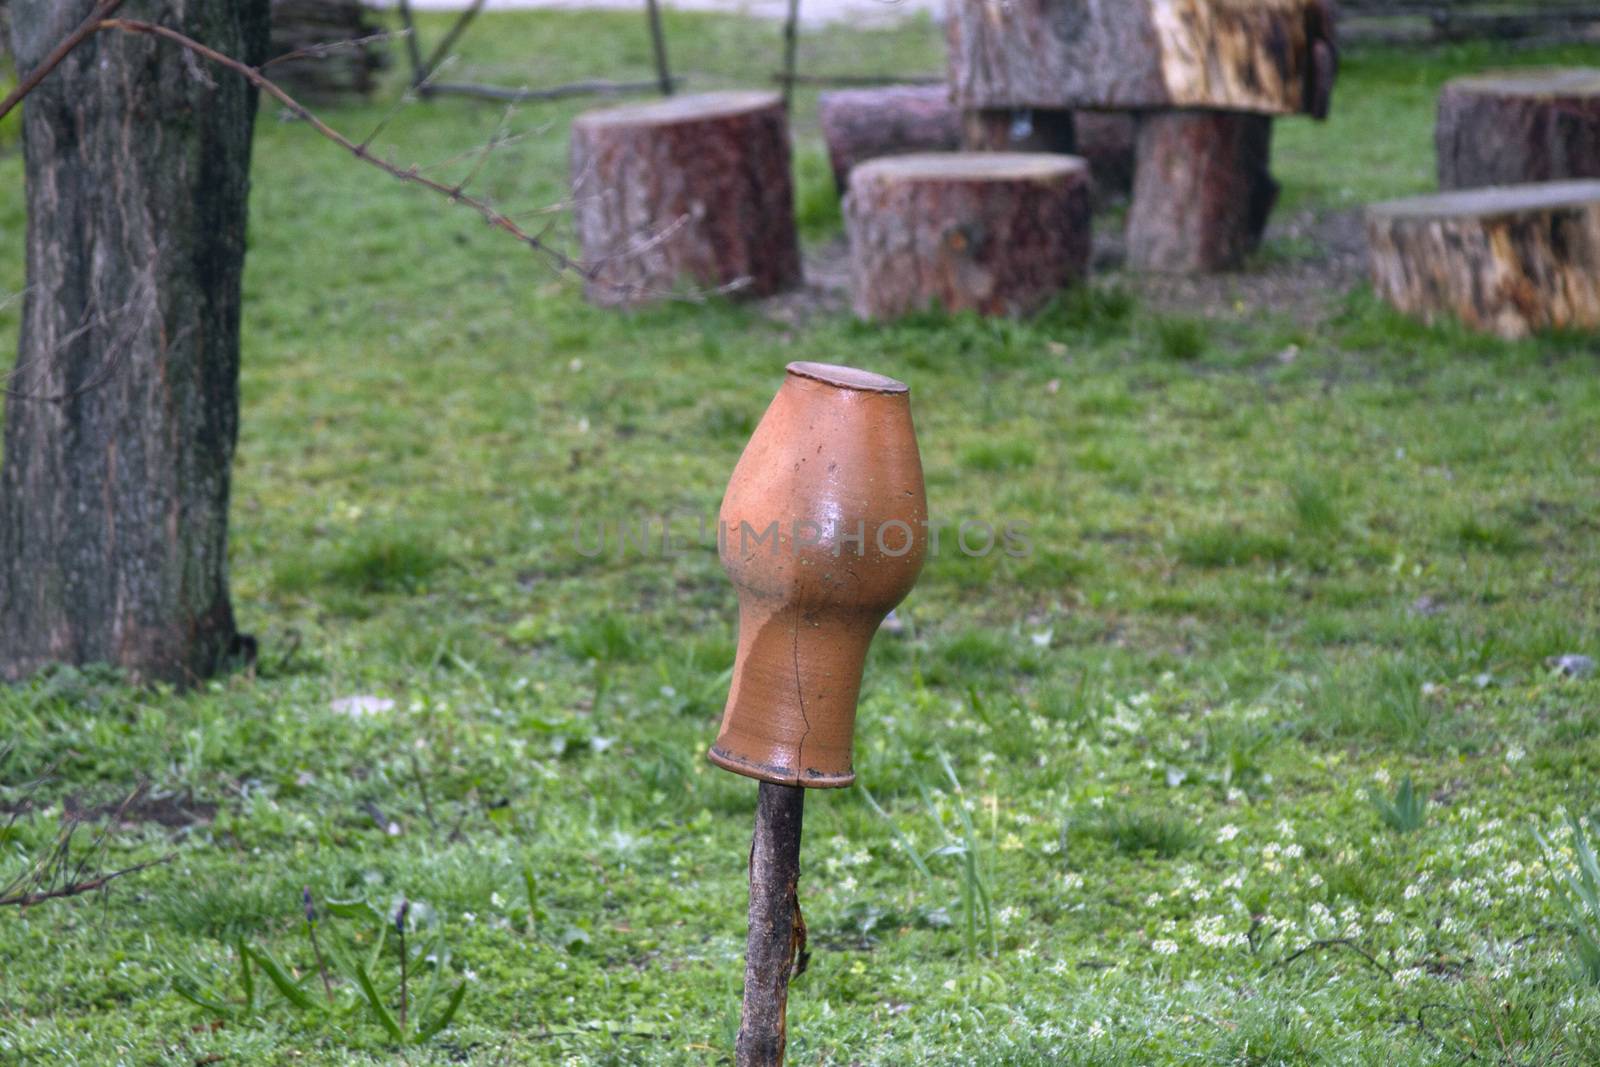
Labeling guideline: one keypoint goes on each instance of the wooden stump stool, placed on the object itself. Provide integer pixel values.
(1509, 260)
(689, 191)
(1516, 126)
(1204, 75)
(999, 233)
(863, 124)
(1203, 190)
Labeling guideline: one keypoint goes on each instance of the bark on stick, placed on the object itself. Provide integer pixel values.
(777, 931)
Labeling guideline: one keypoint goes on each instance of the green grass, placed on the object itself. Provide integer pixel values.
(1258, 594)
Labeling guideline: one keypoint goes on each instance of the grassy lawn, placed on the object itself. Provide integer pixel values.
(1279, 565)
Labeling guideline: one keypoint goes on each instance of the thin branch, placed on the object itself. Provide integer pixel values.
(658, 40)
(410, 175)
(791, 44)
(593, 86)
(317, 51)
(86, 29)
(1336, 942)
(450, 39)
(78, 888)
(413, 47)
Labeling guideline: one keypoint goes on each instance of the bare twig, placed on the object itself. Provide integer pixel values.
(317, 51)
(590, 87)
(1336, 942)
(86, 29)
(658, 41)
(444, 46)
(791, 44)
(848, 80)
(413, 47)
(410, 175)
(78, 888)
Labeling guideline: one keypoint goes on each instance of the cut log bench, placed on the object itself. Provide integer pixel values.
(687, 194)
(1508, 127)
(1510, 260)
(1204, 76)
(863, 124)
(999, 233)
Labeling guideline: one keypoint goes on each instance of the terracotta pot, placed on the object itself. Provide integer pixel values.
(823, 530)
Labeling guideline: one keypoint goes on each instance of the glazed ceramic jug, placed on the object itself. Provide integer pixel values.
(823, 530)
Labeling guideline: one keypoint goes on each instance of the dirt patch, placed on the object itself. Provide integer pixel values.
(1309, 261)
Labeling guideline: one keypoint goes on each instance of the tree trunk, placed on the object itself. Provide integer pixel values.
(1507, 260)
(691, 191)
(998, 233)
(123, 407)
(342, 70)
(1202, 191)
(1234, 55)
(1519, 126)
(863, 124)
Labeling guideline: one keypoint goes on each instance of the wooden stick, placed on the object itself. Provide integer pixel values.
(413, 47)
(659, 40)
(443, 48)
(843, 80)
(791, 43)
(598, 87)
(777, 930)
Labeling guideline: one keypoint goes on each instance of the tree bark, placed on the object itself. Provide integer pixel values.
(1519, 126)
(1506, 260)
(863, 124)
(1234, 55)
(690, 191)
(777, 931)
(998, 233)
(1202, 191)
(122, 411)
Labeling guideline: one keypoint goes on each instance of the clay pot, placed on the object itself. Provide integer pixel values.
(823, 530)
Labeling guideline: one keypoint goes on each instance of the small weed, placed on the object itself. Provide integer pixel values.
(1406, 812)
(1582, 900)
(1137, 831)
(1228, 546)
(1181, 339)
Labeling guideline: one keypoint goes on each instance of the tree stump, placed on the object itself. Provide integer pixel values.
(863, 124)
(998, 233)
(686, 193)
(1508, 260)
(1202, 192)
(1517, 126)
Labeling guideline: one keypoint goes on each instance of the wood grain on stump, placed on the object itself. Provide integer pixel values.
(687, 193)
(1268, 56)
(1509, 260)
(1508, 127)
(1202, 192)
(999, 233)
(863, 124)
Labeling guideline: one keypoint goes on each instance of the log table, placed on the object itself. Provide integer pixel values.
(863, 124)
(999, 233)
(687, 192)
(1507, 127)
(1509, 260)
(1206, 77)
